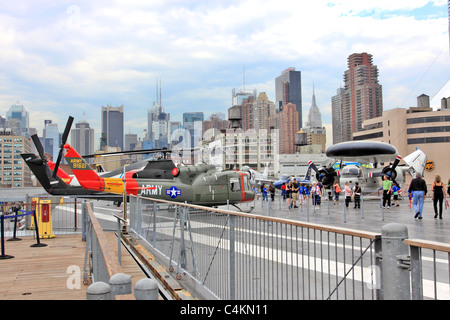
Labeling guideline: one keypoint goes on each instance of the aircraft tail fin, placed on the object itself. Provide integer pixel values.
(417, 162)
(308, 173)
(60, 173)
(43, 173)
(266, 171)
(88, 177)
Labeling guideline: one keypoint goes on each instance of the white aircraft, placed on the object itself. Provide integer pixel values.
(256, 177)
(365, 158)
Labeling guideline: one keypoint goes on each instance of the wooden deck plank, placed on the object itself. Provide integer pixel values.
(42, 273)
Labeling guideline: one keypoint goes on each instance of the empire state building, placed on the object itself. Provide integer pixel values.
(315, 133)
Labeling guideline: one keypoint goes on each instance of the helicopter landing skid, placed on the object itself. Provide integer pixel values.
(244, 211)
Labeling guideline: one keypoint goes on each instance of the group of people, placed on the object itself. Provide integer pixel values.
(418, 191)
(389, 188)
(265, 190)
(349, 193)
(297, 193)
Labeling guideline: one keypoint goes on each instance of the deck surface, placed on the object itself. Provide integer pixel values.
(51, 272)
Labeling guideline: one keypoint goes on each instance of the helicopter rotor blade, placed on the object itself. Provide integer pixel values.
(39, 147)
(63, 142)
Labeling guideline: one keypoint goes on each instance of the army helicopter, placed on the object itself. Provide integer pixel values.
(162, 179)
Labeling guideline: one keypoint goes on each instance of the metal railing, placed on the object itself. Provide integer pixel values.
(245, 256)
(431, 258)
(103, 267)
(100, 262)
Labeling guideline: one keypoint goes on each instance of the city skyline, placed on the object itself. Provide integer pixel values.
(67, 59)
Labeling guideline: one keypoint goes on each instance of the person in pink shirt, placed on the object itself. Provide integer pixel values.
(348, 193)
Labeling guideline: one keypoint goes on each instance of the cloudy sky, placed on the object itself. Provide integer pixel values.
(61, 58)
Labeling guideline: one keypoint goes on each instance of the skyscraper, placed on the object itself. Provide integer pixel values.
(314, 116)
(336, 116)
(362, 98)
(242, 96)
(18, 112)
(112, 126)
(288, 89)
(158, 126)
(315, 132)
(82, 137)
(131, 141)
(286, 121)
(52, 139)
(192, 123)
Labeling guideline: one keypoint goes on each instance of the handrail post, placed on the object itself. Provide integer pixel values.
(36, 228)
(2, 230)
(396, 278)
(119, 237)
(416, 273)
(232, 257)
(83, 221)
(379, 269)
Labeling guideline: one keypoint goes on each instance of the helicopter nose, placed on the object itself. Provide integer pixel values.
(249, 195)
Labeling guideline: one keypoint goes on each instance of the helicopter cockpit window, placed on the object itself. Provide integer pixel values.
(246, 182)
(235, 185)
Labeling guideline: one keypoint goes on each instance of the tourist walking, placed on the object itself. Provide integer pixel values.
(337, 191)
(316, 192)
(395, 191)
(294, 189)
(418, 189)
(289, 193)
(387, 185)
(357, 195)
(283, 191)
(264, 192)
(347, 193)
(272, 191)
(438, 195)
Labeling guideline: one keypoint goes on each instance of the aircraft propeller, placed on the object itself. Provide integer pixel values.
(388, 171)
(325, 176)
(63, 142)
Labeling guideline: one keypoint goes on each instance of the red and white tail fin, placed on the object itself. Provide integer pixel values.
(88, 178)
(61, 173)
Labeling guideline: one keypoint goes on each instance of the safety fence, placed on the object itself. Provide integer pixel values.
(427, 258)
(103, 268)
(15, 216)
(61, 216)
(237, 255)
(244, 256)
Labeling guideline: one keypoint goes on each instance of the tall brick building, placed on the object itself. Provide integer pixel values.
(362, 97)
(286, 121)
